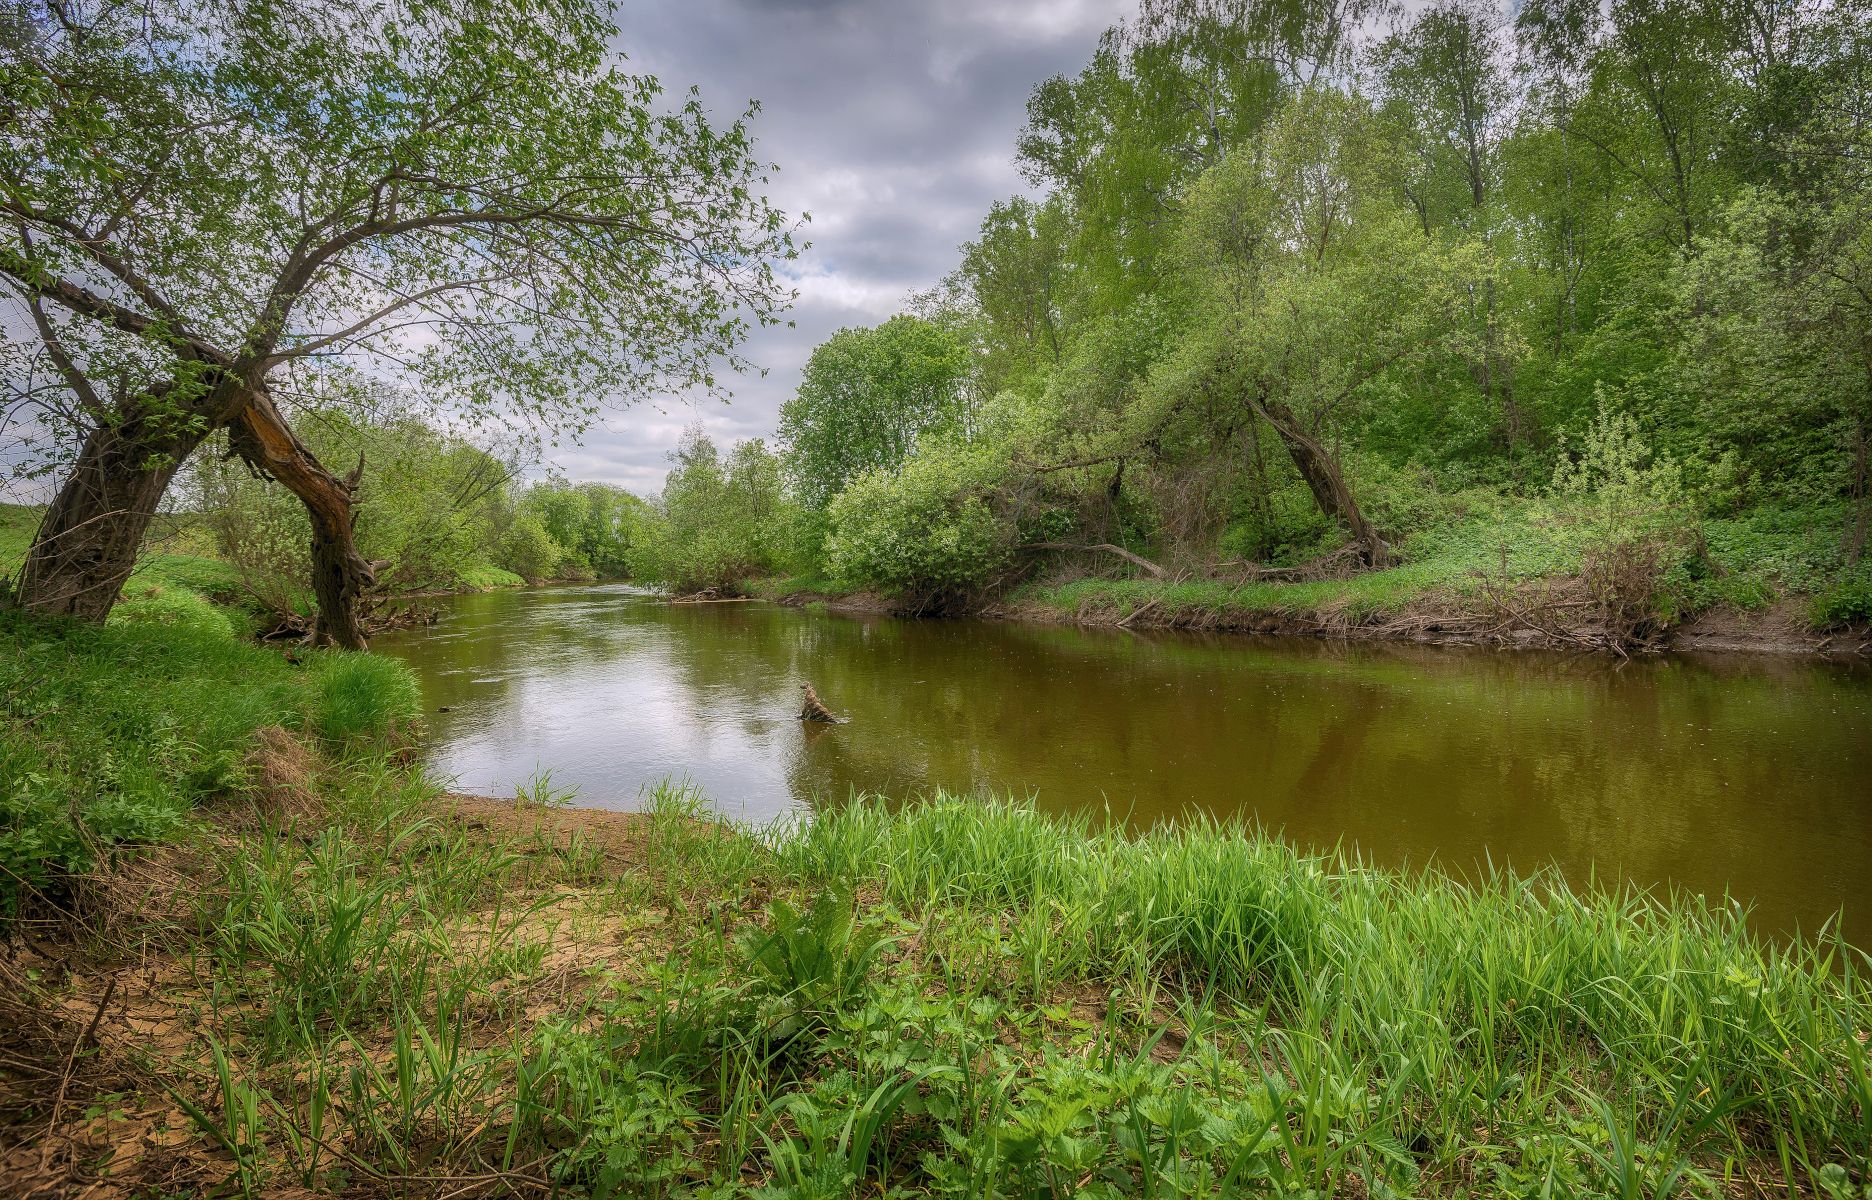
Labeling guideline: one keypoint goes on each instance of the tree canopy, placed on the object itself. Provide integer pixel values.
(208, 205)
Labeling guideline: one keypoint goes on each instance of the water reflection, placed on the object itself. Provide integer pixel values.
(1747, 774)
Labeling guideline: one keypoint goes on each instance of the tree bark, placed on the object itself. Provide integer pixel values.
(1324, 479)
(89, 538)
(340, 575)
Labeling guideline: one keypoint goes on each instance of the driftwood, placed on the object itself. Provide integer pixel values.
(298, 627)
(711, 596)
(1107, 547)
(812, 709)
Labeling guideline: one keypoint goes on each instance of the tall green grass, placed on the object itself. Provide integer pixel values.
(971, 999)
(113, 735)
(1512, 1001)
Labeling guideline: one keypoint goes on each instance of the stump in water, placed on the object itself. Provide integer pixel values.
(812, 709)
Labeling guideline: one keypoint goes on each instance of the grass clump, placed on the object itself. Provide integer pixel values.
(115, 735)
(362, 696)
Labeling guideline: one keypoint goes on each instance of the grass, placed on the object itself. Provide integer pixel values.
(116, 735)
(484, 578)
(951, 998)
(1453, 568)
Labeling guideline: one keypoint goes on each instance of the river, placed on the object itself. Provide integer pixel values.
(1749, 776)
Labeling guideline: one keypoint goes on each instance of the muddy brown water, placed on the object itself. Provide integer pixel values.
(1745, 776)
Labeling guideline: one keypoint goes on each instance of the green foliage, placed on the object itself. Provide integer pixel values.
(937, 529)
(175, 607)
(408, 222)
(1278, 293)
(1260, 1021)
(594, 524)
(812, 962)
(428, 503)
(969, 998)
(717, 524)
(112, 736)
(1626, 513)
(867, 398)
(527, 550)
(1847, 603)
(483, 579)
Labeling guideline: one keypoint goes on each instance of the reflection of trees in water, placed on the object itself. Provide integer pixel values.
(499, 637)
(1752, 773)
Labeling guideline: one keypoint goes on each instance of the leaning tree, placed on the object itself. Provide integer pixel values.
(203, 199)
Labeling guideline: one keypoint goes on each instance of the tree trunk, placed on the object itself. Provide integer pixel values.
(1324, 479)
(340, 575)
(89, 538)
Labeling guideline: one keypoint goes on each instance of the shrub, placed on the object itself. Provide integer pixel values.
(933, 531)
(527, 550)
(1848, 602)
(1627, 514)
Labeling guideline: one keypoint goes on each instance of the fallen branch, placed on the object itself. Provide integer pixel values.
(1319, 568)
(710, 595)
(1138, 612)
(1120, 551)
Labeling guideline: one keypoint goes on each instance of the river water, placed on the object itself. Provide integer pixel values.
(1749, 776)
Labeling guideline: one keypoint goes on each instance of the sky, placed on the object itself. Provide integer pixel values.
(893, 124)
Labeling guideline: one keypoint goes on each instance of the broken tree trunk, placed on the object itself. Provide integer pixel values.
(1324, 479)
(340, 575)
(811, 709)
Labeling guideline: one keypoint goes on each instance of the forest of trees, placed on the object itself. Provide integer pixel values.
(1298, 291)
(1289, 294)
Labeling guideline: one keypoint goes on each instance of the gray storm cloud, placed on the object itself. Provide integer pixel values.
(893, 126)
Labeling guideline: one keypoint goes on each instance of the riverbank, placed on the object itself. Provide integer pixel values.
(1334, 609)
(1774, 580)
(347, 983)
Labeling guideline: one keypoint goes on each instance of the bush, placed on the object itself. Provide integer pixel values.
(1631, 520)
(527, 550)
(932, 531)
(1846, 603)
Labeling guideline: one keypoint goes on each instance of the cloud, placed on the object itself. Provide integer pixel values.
(892, 123)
